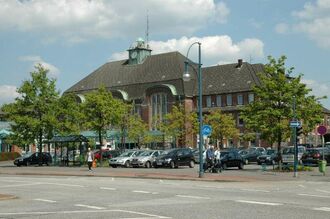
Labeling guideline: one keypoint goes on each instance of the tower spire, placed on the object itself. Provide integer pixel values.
(147, 31)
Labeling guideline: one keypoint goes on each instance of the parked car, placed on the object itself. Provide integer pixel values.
(313, 155)
(106, 154)
(196, 154)
(175, 157)
(33, 158)
(288, 154)
(231, 158)
(270, 157)
(124, 159)
(146, 159)
(251, 154)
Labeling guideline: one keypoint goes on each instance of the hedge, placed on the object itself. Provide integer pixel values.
(9, 156)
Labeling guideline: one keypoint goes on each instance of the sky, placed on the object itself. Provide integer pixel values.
(72, 38)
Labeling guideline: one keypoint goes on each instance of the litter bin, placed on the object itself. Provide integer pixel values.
(322, 165)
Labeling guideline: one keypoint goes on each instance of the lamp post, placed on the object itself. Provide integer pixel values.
(187, 77)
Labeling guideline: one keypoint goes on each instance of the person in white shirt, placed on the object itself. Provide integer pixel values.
(90, 158)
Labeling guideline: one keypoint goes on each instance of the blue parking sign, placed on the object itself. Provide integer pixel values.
(206, 130)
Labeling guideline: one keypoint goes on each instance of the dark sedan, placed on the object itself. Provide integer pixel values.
(313, 155)
(270, 157)
(231, 158)
(175, 157)
(33, 159)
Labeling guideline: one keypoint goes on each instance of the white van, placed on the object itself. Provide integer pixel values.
(288, 154)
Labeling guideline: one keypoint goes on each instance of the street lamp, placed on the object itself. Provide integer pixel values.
(187, 77)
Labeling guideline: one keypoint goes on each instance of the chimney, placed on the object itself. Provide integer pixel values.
(239, 63)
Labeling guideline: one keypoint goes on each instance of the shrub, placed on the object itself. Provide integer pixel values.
(8, 156)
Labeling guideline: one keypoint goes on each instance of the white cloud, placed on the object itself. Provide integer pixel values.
(314, 20)
(80, 20)
(215, 49)
(53, 71)
(282, 28)
(7, 94)
(319, 89)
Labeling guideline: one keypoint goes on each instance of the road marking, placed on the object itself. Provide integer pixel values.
(89, 206)
(319, 196)
(194, 197)
(322, 209)
(255, 190)
(259, 203)
(78, 212)
(319, 190)
(44, 200)
(107, 188)
(144, 192)
(141, 213)
(28, 184)
(61, 184)
(302, 186)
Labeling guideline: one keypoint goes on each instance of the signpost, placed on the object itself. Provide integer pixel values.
(322, 130)
(206, 130)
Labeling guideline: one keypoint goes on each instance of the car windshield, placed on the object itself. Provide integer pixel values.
(224, 153)
(146, 153)
(170, 152)
(289, 150)
(126, 154)
(27, 155)
(270, 152)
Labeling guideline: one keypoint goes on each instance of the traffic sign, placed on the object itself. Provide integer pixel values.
(295, 124)
(322, 130)
(206, 130)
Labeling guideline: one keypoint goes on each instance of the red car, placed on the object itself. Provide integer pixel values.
(106, 154)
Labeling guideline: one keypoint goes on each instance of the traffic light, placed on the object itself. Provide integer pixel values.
(299, 131)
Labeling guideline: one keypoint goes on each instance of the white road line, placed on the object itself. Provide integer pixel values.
(259, 203)
(194, 197)
(61, 184)
(322, 209)
(254, 190)
(141, 213)
(79, 212)
(44, 200)
(319, 190)
(28, 184)
(311, 195)
(89, 206)
(302, 186)
(107, 188)
(144, 192)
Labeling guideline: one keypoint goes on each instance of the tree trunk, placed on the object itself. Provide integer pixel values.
(279, 151)
(101, 155)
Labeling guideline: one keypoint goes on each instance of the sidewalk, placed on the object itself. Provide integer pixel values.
(232, 175)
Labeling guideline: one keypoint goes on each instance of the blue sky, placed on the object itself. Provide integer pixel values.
(73, 38)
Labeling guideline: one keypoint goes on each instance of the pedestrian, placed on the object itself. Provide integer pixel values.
(90, 158)
(217, 154)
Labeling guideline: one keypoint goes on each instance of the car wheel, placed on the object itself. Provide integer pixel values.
(241, 166)
(172, 164)
(224, 166)
(148, 164)
(155, 166)
(127, 164)
(18, 165)
(191, 164)
(258, 163)
(113, 166)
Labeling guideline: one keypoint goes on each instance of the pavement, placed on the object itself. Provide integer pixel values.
(251, 173)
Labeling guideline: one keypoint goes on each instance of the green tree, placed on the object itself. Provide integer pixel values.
(272, 109)
(137, 129)
(101, 112)
(32, 113)
(223, 126)
(178, 124)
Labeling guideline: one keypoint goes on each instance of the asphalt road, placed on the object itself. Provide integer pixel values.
(107, 197)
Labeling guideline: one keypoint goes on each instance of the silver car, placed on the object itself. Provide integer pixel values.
(124, 159)
(145, 159)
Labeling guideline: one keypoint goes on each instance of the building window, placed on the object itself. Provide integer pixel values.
(229, 100)
(159, 107)
(251, 98)
(218, 100)
(240, 121)
(239, 99)
(208, 101)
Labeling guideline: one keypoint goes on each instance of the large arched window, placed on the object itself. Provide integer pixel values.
(158, 106)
